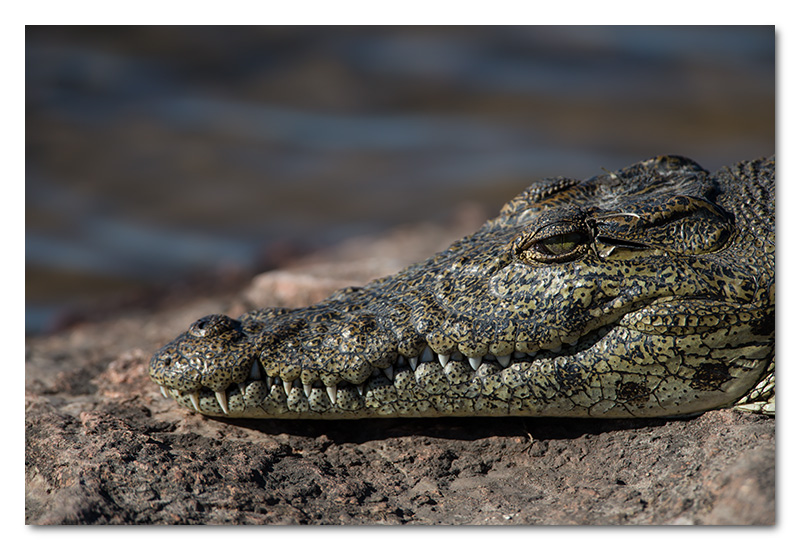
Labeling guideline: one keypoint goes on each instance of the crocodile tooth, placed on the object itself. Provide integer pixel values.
(222, 399)
(401, 360)
(475, 362)
(242, 387)
(287, 387)
(444, 358)
(389, 372)
(504, 359)
(427, 354)
(360, 389)
(255, 372)
(331, 393)
(164, 391)
(413, 361)
(607, 253)
(194, 398)
(307, 389)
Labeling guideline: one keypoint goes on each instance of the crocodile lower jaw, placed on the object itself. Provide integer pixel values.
(246, 397)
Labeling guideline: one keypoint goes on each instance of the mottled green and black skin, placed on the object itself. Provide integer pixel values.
(645, 292)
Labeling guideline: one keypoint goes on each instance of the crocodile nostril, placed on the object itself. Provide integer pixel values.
(211, 325)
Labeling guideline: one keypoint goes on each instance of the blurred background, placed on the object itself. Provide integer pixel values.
(161, 155)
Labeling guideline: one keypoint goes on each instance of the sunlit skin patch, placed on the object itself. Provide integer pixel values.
(645, 292)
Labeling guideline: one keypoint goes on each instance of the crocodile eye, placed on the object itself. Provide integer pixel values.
(562, 244)
(559, 245)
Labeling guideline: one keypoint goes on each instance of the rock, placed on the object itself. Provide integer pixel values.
(104, 447)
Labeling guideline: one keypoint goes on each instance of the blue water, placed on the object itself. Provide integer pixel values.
(161, 154)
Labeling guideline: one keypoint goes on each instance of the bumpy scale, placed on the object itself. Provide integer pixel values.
(645, 292)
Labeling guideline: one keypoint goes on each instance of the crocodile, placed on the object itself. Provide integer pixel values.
(649, 291)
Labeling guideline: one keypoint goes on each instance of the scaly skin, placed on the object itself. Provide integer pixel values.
(646, 292)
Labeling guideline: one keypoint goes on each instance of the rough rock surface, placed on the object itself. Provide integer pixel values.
(103, 445)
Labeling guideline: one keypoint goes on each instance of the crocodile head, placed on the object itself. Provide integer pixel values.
(646, 292)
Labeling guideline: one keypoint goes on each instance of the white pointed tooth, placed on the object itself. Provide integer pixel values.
(475, 362)
(331, 393)
(287, 387)
(413, 361)
(164, 391)
(242, 387)
(427, 354)
(504, 359)
(360, 388)
(222, 399)
(444, 358)
(607, 253)
(389, 372)
(307, 389)
(194, 398)
(255, 372)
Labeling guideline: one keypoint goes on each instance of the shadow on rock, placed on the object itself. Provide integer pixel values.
(464, 429)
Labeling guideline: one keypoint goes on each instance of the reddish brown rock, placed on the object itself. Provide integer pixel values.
(103, 445)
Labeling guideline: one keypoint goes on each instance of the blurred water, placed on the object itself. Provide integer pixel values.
(158, 154)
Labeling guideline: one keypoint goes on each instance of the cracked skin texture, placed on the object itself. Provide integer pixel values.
(645, 292)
